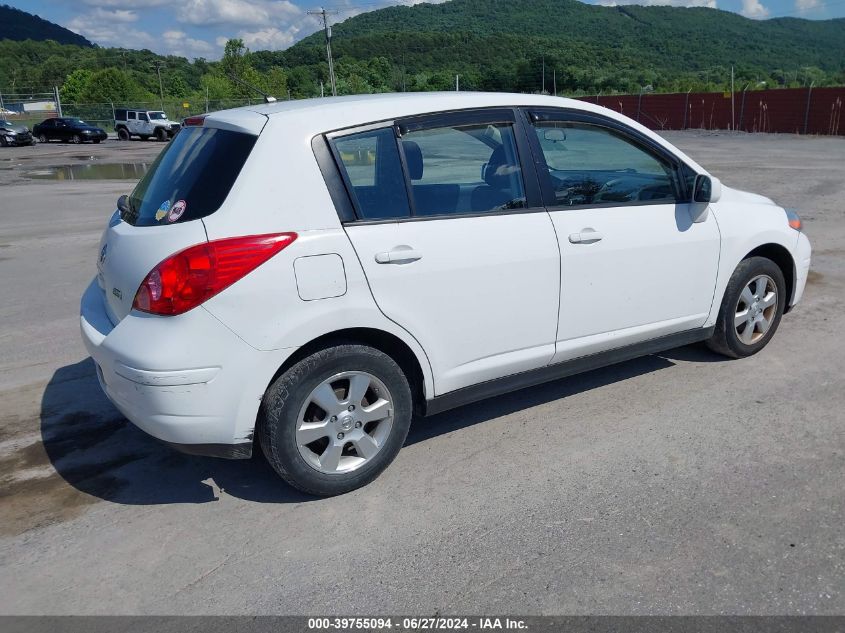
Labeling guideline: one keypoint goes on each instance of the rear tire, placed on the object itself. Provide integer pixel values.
(347, 440)
(123, 134)
(751, 309)
(3, 142)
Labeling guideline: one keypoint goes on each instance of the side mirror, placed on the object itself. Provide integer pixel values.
(123, 205)
(554, 134)
(706, 189)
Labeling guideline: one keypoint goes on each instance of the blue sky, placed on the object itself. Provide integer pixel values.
(199, 28)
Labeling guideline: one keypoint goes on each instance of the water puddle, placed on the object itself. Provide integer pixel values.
(103, 171)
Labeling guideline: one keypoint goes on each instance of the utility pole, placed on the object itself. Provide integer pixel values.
(324, 15)
(554, 80)
(733, 120)
(158, 64)
(543, 88)
(457, 83)
(58, 99)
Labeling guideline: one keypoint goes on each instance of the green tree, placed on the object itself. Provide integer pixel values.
(111, 85)
(175, 86)
(75, 85)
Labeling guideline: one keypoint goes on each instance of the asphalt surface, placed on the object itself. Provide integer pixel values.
(680, 483)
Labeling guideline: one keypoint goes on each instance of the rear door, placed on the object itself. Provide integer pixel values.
(634, 264)
(455, 243)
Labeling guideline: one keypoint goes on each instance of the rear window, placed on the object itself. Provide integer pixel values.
(191, 178)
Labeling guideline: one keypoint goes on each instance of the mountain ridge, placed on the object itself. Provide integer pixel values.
(18, 25)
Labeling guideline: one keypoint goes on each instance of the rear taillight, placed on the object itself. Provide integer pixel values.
(185, 280)
(195, 120)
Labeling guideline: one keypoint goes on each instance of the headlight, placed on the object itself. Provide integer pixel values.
(793, 219)
(10, 133)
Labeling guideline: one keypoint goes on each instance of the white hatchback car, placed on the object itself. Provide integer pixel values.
(315, 272)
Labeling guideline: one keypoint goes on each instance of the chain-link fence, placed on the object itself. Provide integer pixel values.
(31, 108)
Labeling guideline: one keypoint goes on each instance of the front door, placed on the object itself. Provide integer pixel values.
(468, 262)
(634, 264)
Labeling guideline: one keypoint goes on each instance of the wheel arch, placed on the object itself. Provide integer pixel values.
(381, 340)
(781, 256)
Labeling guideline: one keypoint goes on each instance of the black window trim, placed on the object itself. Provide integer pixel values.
(532, 115)
(346, 205)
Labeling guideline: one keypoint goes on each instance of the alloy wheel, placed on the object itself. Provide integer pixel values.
(344, 422)
(756, 309)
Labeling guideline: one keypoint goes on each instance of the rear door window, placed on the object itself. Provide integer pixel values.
(464, 169)
(191, 177)
(373, 172)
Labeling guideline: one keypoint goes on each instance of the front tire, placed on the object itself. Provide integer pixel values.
(751, 309)
(161, 135)
(336, 419)
(76, 139)
(123, 134)
(43, 138)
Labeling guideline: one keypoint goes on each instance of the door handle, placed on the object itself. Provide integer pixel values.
(399, 255)
(586, 236)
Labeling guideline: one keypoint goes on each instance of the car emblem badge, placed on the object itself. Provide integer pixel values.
(103, 253)
(117, 293)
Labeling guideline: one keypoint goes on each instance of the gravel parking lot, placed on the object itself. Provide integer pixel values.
(680, 483)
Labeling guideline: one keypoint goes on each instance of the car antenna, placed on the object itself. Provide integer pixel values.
(267, 98)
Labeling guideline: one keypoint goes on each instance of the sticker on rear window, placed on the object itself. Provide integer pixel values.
(162, 210)
(177, 210)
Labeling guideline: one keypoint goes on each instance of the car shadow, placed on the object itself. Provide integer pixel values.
(97, 451)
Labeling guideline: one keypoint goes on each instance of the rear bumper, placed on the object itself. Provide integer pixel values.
(186, 380)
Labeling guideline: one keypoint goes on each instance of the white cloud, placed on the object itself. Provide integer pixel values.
(802, 6)
(127, 4)
(710, 4)
(754, 10)
(239, 12)
(113, 15)
(178, 43)
(110, 34)
(118, 33)
(269, 39)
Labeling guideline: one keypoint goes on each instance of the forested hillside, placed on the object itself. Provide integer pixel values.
(503, 45)
(20, 25)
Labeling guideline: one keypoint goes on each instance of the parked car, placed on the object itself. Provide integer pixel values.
(312, 274)
(14, 134)
(68, 129)
(144, 124)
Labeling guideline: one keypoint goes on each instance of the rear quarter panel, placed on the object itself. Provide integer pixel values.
(281, 189)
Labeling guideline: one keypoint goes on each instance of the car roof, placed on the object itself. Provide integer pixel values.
(313, 116)
(310, 117)
(374, 107)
